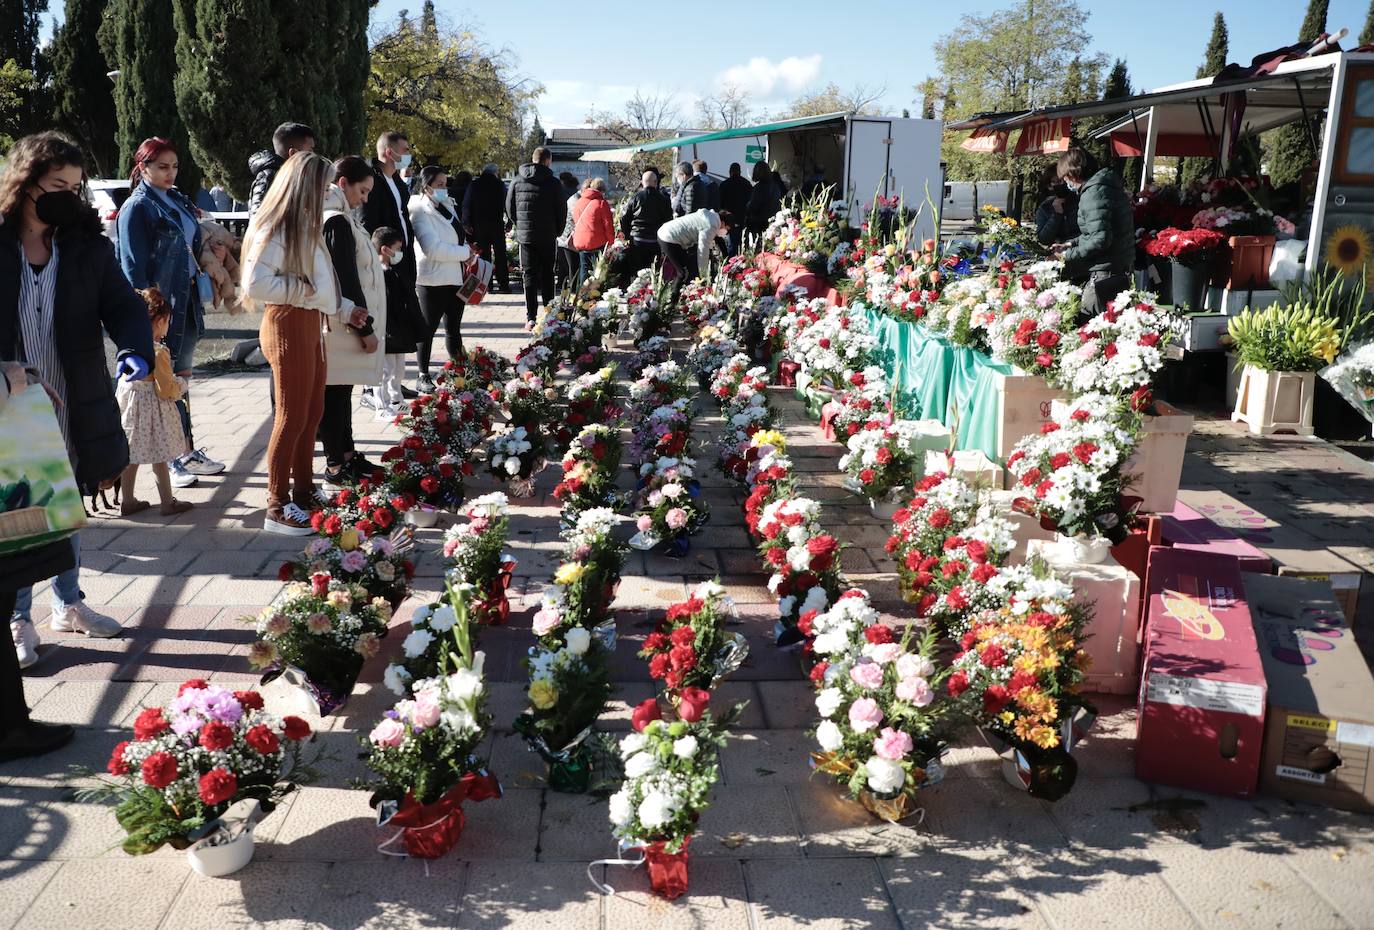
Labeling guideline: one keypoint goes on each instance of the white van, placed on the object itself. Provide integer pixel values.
(963, 199)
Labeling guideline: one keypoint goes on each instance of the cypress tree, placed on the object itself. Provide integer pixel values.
(139, 40)
(1213, 60)
(1289, 147)
(1118, 85)
(1367, 33)
(83, 94)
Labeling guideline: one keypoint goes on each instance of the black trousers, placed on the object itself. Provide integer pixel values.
(440, 304)
(335, 432)
(14, 710)
(684, 262)
(565, 273)
(500, 272)
(536, 271)
(640, 255)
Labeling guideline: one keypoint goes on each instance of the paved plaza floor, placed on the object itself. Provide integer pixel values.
(777, 849)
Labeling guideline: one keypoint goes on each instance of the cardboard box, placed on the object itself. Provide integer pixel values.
(1024, 527)
(1185, 528)
(969, 464)
(1113, 636)
(1200, 713)
(1345, 587)
(1320, 732)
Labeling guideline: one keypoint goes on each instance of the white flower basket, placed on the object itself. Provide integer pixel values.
(229, 848)
(1082, 550)
(1275, 401)
(422, 516)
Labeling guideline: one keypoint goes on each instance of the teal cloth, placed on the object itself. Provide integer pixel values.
(940, 381)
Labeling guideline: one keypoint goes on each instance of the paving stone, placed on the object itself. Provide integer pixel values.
(715, 898)
(263, 893)
(390, 892)
(546, 894)
(818, 893)
(1077, 890)
(1260, 890)
(329, 824)
(23, 881)
(146, 888)
(789, 704)
(833, 824)
(960, 888)
(91, 703)
(766, 757)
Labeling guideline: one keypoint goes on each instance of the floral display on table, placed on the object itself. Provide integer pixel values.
(590, 468)
(476, 554)
(810, 232)
(424, 752)
(1071, 471)
(1004, 237)
(1353, 378)
(670, 769)
(880, 720)
(1120, 350)
(832, 347)
(319, 633)
(1038, 313)
(690, 647)
(1017, 675)
(200, 771)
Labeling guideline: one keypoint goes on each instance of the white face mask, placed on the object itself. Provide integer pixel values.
(396, 256)
(403, 162)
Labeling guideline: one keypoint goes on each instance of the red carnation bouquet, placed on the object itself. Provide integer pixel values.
(363, 540)
(191, 760)
(1186, 246)
(691, 648)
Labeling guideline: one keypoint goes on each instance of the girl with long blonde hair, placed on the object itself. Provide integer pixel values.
(287, 273)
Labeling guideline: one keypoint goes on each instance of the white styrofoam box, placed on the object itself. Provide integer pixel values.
(1274, 401)
(1230, 302)
(969, 464)
(1112, 635)
(1023, 403)
(1157, 464)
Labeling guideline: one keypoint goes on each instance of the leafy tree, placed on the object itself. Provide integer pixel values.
(16, 84)
(929, 91)
(1213, 60)
(1288, 149)
(458, 100)
(83, 94)
(138, 38)
(19, 21)
(320, 75)
(1010, 59)
(1118, 85)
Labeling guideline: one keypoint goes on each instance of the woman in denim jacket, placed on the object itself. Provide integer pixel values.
(159, 239)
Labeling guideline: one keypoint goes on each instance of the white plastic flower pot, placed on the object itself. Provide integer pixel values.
(1082, 550)
(215, 857)
(422, 517)
(1275, 401)
(885, 509)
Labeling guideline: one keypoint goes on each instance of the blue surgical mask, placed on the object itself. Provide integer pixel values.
(403, 162)
(441, 195)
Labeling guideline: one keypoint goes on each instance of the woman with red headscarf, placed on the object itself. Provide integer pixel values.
(159, 239)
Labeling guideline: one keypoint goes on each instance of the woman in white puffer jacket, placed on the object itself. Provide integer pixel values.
(439, 256)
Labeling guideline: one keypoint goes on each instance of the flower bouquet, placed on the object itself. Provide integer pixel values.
(1120, 350)
(670, 769)
(1017, 676)
(570, 682)
(361, 542)
(590, 468)
(584, 584)
(671, 512)
(746, 413)
(1072, 468)
(880, 461)
(424, 754)
(591, 400)
(835, 346)
(804, 560)
(652, 351)
(1353, 378)
(425, 473)
(453, 416)
(865, 400)
(199, 773)
(477, 557)
(690, 647)
(1004, 237)
(516, 455)
(1037, 315)
(876, 697)
(316, 635)
(481, 369)
(713, 347)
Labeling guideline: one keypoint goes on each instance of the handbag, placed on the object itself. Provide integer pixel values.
(476, 280)
(40, 502)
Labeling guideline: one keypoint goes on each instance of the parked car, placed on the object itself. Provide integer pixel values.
(107, 196)
(963, 199)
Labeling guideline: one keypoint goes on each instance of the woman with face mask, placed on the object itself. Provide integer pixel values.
(159, 239)
(439, 255)
(61, 293)
(353, 355)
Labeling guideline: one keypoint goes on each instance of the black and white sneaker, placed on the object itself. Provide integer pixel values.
(181, 476)
(335, 480)
(424, 384)
(369, 399)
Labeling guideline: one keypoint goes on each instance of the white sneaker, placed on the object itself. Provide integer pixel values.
(387, 414)
(369, 400)
(181, 477)
(293, 522)
(198, 463)
(81, 619)
(25, 641)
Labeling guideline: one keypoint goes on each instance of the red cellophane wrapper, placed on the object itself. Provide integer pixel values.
(667, 871)
(493, 607)
(431, 830)
(787, 373)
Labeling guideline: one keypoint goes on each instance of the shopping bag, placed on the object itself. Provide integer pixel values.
(39, 499)
(476, 280)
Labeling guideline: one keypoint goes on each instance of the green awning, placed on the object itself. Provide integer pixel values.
(762, 129)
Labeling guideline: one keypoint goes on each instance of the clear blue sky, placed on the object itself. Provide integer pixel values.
(597, 54)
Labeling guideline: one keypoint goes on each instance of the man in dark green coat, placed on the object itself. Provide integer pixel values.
(1103, 253)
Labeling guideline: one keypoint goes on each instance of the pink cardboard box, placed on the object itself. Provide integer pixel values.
(1185, 528)
(1202, 695)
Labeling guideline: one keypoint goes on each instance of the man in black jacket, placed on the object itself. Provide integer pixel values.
(289, 139)
(538, 207)
(691, 194)
(386, 206)
(734, 196)
(644, 213)
(484, 207)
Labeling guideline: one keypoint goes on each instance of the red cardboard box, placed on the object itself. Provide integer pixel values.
(1185, 528)
(1200, 714)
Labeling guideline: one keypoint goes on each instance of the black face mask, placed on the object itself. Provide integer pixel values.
(59, 208)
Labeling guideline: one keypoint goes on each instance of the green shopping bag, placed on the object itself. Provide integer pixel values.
(39, 500)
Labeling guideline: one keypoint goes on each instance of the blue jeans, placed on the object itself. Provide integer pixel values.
(66, 589)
